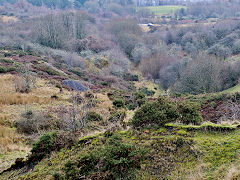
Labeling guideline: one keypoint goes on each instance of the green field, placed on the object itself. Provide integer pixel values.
(233, 89)
(164, 10)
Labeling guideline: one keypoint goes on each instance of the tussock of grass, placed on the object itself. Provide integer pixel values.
(208, 126)
(17, 99)
(12, 146)
(4, 119)
(9, 140)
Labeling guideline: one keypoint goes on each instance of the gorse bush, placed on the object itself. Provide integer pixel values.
(3, 69)
(121, 157)
(189, 112)
(93, 116)
(130, 77)
(140, 98)
(165, 111)
(43, 146)
(147, 91)
(130, 100)
(160, 112)
(49, 142)
(114, 160)
(119, 103)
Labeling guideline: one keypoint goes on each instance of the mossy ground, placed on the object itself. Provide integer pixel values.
(171, 154)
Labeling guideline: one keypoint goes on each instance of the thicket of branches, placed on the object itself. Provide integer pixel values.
(192, 59)
(210, 9)
(77, 37)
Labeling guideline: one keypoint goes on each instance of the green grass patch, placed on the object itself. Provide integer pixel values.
(48, 70)
(164, 10)
(8, 61)
(233, 89)
(211, 97)
(218, 151)
(208, 126)
(169, 155)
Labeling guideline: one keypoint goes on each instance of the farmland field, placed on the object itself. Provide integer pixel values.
(163, 10)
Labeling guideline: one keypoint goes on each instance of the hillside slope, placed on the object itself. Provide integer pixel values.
(161, 154)
(205, 151)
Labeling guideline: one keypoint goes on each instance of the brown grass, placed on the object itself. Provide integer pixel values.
(12, 104)
(40, 95)
(233, 173)
(3, 118)
(11, 99)
(12, 147)
(10, 141)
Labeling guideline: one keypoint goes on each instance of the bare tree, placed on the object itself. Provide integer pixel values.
(75, 116)
(202, 75)
(26, 82)
(151, 66)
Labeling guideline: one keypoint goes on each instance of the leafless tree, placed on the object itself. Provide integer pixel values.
(26, 82)
(202, 75)
(75, 116)
(151, 66)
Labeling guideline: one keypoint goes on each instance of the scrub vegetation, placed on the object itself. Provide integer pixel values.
(119, 89)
